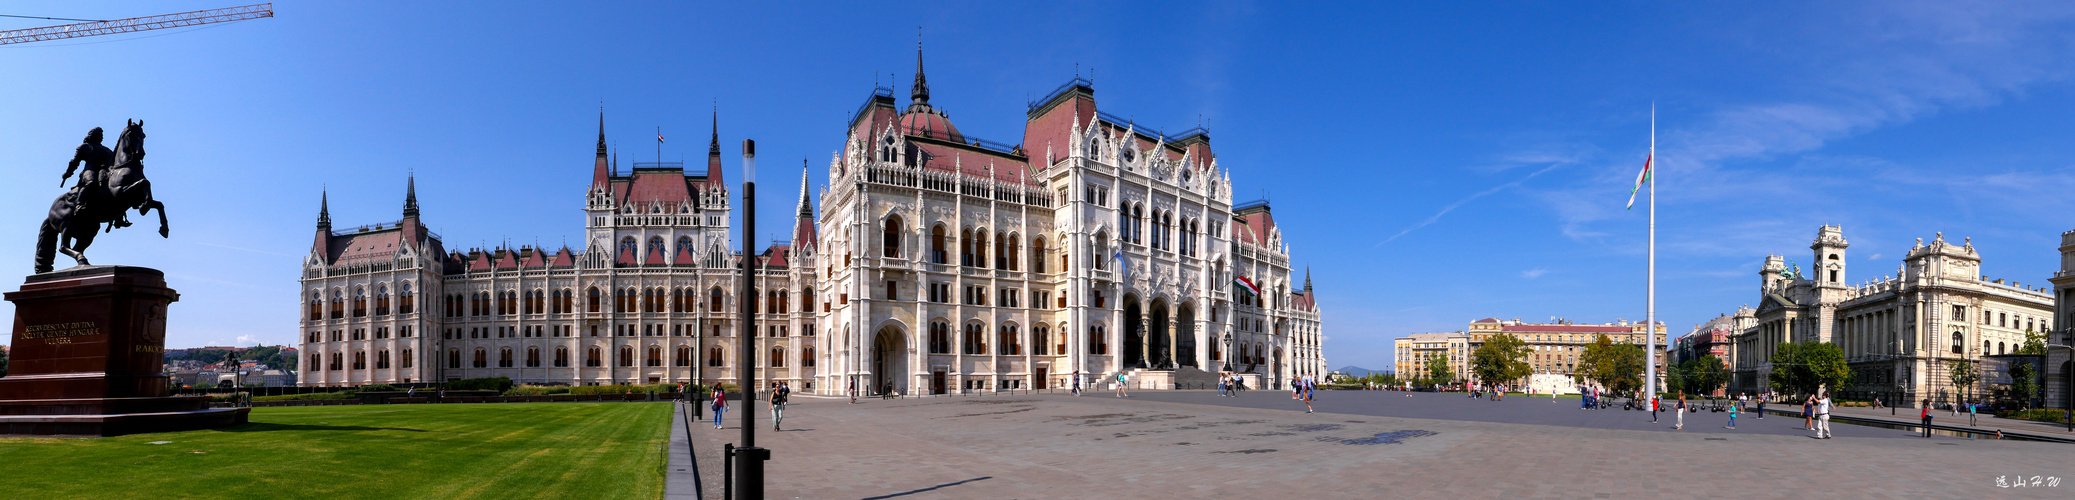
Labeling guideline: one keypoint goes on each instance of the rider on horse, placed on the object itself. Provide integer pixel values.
(93, 181)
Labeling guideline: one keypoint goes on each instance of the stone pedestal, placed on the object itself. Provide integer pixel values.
(85, 359)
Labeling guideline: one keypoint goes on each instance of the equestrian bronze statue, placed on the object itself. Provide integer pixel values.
(111, 183)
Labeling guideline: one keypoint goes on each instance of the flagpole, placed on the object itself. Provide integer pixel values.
(1650, 325)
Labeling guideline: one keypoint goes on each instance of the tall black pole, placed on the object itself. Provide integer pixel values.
(749, 463)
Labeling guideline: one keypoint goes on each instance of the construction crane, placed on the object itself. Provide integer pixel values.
(180, 20)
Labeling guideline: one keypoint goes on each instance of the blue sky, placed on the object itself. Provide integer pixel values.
(1431, 163)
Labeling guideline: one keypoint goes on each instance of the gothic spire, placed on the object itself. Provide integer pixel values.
(324, 211)
(713, 148)
(410, 197)
(806, 207)
(920, 93)
(1307, 280)
(601, 131)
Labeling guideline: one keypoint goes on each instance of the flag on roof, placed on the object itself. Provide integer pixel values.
(1247, 284)
(1641, 177)
(659, 137)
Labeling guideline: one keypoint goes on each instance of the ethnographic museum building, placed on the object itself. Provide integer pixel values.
(939, 263)
(1898, 333)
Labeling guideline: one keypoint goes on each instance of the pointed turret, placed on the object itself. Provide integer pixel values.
(1307, 280)
(713, 171)
(600, 173)
(410, 197)
(806, 207)
(324, 211)
(321, 244)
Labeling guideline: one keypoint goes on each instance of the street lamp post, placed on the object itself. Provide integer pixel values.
(1228, 352)
(749, 459)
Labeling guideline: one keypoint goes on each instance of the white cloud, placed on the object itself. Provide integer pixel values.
(1873, 257)
(1533, 273)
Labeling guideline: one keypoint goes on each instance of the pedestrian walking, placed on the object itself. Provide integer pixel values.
(1653, 410)
(1307, 394)
(1823, 416)
(720, 404)
(1077, 383)
(1121, 382)
(1681, 423)
(780, 393)
(1733, 407)
(1761, 407)
(1927, 418)
(1971, 408)
(853, 390)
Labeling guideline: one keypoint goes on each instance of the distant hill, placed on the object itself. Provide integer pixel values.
(1356, 371)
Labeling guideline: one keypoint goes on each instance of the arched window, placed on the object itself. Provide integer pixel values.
(316, 362)
(591, 357)
(504, 358)
(655, 356)
(1040, 341)
(715, 300)
(628, 246)
(381, 300)
(1138, 224)
(979, 248)
(561, 357)
(892, 243)
(626, 355)
(936, 244)
(1037, 255)
(360, 360)
(939, 338)
(974, 339)
(1959, 342)
(777, 359)
(593, 299)
(532, 357)
(1098, 342)
(1001, 251)
(359, 302)
(655, 246)
(714, 355)
(807, 356)
(683, 357)
(407, 302)
(1099, 251)
(482, 359)
(316, 305)
(965, 247)
(807, 301)
(453, 358)
(1999, 348)
(684, 246)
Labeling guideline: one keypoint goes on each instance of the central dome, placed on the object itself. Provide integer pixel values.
(929, 123)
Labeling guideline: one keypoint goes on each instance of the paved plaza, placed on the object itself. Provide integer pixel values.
(1361, 444)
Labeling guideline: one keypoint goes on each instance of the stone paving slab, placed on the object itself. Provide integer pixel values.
(1172, 444)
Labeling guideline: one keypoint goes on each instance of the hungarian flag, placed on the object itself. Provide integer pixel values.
(1247, 284)
(659, 137)
(1641, 177)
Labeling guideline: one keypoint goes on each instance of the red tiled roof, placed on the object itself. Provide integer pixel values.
(777, 255)
(804, 234)
(481, 262)
(683, 257)
(507, 259)
(535, 258)
(563, 258)
(1000, 167)
(655, 255)
(364, 246)
(931, 125)
(626, 258)
(666, 188)
(1260, 223)
(1487, 320)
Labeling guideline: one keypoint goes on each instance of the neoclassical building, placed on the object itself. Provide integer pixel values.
(936, 263)
(1898, 332)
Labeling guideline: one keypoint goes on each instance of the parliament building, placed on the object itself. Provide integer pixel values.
(936, 263)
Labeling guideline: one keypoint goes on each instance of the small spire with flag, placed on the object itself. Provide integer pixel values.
(1641, 178)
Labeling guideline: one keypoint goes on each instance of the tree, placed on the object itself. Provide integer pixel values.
(1962, 374)
(1707, 374)
(1502, 359)
(2035, 344)
(1618, 367)
(1437, 371)
(1805, 367)
(2024, 382)
(1676, 377)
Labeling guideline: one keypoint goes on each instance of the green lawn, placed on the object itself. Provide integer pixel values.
(502, 450)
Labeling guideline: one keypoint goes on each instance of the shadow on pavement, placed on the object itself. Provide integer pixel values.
(932, 488)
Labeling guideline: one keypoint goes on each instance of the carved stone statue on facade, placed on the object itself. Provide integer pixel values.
(111, 184)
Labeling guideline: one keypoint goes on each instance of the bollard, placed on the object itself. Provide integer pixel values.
(727, 473)
(751, 467)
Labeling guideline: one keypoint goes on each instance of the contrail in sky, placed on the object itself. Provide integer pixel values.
(1461, 202)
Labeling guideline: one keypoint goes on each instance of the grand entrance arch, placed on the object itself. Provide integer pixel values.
(890, 360)
(1163, 338)
(1185, 334)
(1134, 334)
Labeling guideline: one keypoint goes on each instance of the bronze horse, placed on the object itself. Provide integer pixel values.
(125, 188)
